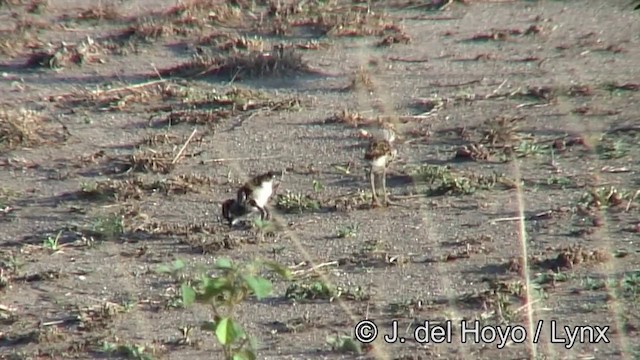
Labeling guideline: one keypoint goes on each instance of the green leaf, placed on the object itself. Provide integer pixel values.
(244, 354)
(188, 294)
(279, 269)
(260, 286)
(227, 331)
(212, 287)
(223, 263)
(163, 269)
(178, 264)
(175, 266)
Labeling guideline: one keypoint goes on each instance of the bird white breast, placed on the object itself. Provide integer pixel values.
(262, 194)
(379, 162)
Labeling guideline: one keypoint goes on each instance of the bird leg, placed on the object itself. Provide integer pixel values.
(387, 202)
(384, 186)
(374, 196)
(266, 213)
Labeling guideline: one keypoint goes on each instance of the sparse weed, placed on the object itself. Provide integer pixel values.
(348, 231)
(109, 226)
(317, 186)
(344, 344)
(264, 227)
(52, 243)
(318, 290)
(128, 351)
(605, 197)
(442, 181)
(609, 149)
(297, 203)
(224, 293)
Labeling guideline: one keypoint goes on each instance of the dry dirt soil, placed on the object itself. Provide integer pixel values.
(125, 124)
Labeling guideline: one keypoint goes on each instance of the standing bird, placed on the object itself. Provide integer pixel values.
(380, 154)
(256, 193)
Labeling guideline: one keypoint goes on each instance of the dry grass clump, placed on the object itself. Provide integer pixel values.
(334, 21)
(22, 37)
(100, 12)
(361, 81)
(149, 30)
(279, 62)
(183, 20)
(21, 127)
(87, 51)
(213, 10)
(231, 42)
(150, 161)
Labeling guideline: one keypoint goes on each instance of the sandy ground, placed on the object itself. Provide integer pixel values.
(541, 98)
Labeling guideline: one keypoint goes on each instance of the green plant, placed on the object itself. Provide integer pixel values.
(52, 243)
(349, 231)
(297, 203)
(264, 227)
(224, 294)
(317, 186)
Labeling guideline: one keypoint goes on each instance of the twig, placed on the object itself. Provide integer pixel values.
(55, 322)
(316, 267)
(624, 129)
(130, 87)
(497, 90)
(432, 18)
(175, 159)
(632, 199)
(458, 84)
(517, 218)
(241, 158)
(399, 59)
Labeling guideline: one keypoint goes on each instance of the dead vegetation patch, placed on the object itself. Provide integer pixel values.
(186, 104)
(63, 55)
(628, 86)
(330, 19)
(197, 117)
(361, 81)
(184, 19)
(475, 152)
(398, 38)
(278, 62)
(572, 256)
(205, 238)
(505, 34)
(123, 190)
(170, 139)
(149, 30)
(216, 107)
(23, 37)
(24, 127)
(608, 197)
(227, 41)
(142, 160)
(99, 12)
(349, 118)
(151, 161)
(502, 130)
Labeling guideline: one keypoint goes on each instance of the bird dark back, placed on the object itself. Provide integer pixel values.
(377, 148)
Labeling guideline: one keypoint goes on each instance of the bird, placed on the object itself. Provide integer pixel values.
(379, 154)
(256, 193)
(233, 211)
